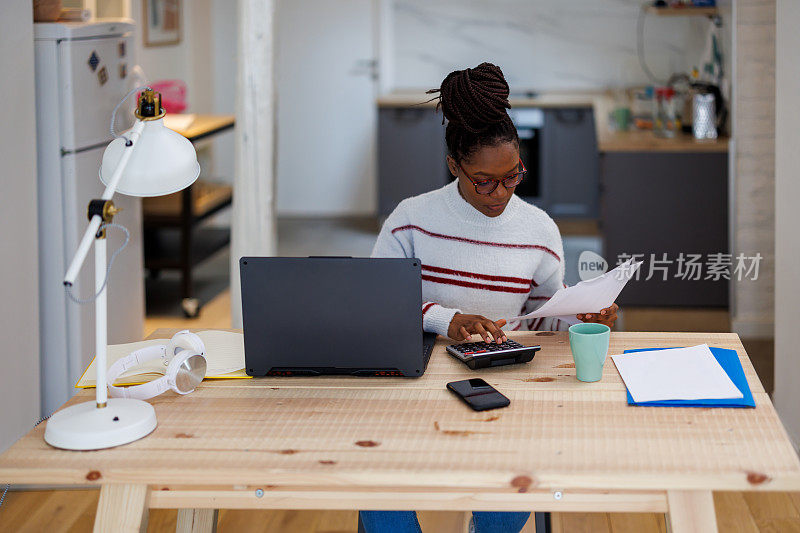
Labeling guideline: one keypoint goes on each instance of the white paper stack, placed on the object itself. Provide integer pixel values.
(675, 374)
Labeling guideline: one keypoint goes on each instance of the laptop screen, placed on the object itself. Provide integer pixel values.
(331, 314)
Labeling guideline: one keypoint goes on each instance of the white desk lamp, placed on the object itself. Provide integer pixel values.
(147, 160)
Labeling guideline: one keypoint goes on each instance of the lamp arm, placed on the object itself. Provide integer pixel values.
(94, 223)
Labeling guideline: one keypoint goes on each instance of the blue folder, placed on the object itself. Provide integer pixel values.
(729, 361)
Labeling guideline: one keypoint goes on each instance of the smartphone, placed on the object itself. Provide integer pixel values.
(478, 394)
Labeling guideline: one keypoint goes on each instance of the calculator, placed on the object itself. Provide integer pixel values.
(488, 354)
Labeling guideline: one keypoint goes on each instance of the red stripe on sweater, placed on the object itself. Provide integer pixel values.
(473, 241)
(427, 306)
(539, 297)
(536, 323)
(489, 277)
(516, 328)
(482, 286)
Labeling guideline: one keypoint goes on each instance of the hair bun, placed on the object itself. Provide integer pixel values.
(474, 98)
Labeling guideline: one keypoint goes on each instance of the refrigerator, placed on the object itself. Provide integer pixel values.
(82, 71)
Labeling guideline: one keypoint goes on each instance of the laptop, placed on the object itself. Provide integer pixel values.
(307, 316)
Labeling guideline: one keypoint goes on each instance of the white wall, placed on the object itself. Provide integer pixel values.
(540, 44)
(189, 60)
(787, 216)
(326, 117)
(169, 61)
(19, 314)
(224, 32)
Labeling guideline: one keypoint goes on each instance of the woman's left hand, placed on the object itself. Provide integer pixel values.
(606, 316)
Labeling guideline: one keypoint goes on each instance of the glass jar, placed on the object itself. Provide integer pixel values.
(665, 122)
(642, 109)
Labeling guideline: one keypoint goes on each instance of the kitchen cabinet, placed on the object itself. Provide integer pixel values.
(570, 164)
(411, 155)
(662, 205)
(560, 152)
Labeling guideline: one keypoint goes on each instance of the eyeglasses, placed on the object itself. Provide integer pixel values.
(488, 186)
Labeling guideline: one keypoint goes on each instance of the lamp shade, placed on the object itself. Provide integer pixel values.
(162, 162)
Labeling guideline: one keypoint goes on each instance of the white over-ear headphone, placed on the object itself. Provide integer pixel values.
(184, 357)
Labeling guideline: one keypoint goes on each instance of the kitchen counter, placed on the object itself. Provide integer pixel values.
(540, 100)
(601, 102)
(645, 141)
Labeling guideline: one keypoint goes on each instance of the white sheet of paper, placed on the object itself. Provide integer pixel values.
(675, 374)
(589, 296)
(224, 354)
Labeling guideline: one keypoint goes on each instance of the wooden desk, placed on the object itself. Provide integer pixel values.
(365, 443)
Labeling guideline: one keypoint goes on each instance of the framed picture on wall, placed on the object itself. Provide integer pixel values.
(162, 22)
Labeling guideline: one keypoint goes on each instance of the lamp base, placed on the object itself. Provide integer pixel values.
(85, 427)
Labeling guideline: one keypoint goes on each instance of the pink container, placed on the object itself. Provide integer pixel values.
(173, 95)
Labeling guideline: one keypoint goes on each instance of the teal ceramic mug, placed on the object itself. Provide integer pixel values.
(589, 345)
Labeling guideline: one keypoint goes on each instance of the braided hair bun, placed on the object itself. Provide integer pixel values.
(474, 102)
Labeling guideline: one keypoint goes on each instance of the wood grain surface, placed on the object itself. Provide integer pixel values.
(410, 440)
(203, 125)
(646, 141)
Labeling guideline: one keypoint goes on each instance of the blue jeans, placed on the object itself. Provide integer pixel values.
(406, 522)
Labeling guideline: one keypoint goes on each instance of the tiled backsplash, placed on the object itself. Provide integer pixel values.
(540, 44)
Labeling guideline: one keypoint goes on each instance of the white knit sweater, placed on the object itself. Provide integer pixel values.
(497, 267)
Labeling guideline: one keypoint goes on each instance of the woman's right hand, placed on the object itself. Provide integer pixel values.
(462, 327)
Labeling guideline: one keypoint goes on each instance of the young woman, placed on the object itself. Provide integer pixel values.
(485, 253)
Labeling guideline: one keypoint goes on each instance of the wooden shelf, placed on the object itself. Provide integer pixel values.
(195, 127)
(683, 11)
(208, 197)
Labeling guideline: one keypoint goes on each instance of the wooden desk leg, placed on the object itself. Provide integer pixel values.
(691, 511)
(197, 521)
(122, 509)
